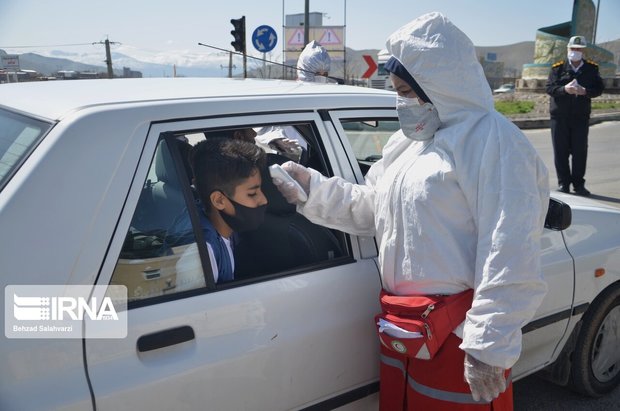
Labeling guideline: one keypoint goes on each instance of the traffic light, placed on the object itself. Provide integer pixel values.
(239, 34)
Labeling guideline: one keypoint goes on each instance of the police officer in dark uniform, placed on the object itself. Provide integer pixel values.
(572, 84)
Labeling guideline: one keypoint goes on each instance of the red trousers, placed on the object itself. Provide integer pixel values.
(409, 384)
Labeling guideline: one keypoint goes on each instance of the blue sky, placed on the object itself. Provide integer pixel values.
(168, 32)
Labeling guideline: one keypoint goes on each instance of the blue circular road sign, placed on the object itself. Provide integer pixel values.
(264, 38)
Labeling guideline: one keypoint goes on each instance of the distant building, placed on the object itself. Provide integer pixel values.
(11, 76)
(129, 73)
(86, 75)
(78, 75)
(66, 74)
(493, 70)
(315, 19)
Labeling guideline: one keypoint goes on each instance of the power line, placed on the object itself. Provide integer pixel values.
(268, 61)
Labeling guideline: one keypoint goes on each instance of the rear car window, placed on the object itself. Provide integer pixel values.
(18, 136)
(161, 255)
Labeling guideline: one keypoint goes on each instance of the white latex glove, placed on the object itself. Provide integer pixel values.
(301, 174)
(485, 381)
(571, 88)
(289, 148)
(581, 90)
(575, 88)
(284, 144)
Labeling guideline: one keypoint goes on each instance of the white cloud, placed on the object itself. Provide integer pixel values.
(187, 58)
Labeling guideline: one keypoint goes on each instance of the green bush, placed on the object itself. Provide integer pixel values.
(514, 107)
(605, 105)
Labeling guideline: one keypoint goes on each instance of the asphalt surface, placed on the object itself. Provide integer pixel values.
(535, 394)
(603, 168)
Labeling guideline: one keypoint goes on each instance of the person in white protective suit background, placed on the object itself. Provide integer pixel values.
(457, 202)
(313, 63)
(313, 66)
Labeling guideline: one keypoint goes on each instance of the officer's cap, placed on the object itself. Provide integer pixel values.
(577, 42)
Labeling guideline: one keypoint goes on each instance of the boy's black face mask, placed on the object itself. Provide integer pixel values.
(245, 218)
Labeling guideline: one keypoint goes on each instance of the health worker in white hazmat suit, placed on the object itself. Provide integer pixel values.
(313, 66)
(457, 205)
(313, 63)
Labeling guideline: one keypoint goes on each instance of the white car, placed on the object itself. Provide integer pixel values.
(92, 176)
(504, 88)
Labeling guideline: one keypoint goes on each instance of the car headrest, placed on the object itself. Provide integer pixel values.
(164, 165)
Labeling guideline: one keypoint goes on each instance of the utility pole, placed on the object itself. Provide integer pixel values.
(307, 23)
(108, 55)
(598, 5)
(230, 66)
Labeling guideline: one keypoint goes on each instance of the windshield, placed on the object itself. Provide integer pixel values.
(381, 71)
(18, 137)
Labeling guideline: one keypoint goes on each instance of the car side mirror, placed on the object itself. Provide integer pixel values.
(559, 215)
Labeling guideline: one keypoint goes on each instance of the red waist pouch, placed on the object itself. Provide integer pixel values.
(417, 326)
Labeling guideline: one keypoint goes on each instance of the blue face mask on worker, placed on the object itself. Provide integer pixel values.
(245, 218)
(417, 121)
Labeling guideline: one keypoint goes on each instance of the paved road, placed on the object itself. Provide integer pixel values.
(603, 180)
(603, 168)
(535, 394)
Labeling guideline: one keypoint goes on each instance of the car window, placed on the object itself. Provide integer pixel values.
(154, 262)
(161, 255)
(368, 137)
(18, 136)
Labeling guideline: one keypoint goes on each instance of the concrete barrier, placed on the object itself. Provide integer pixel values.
(532, 123)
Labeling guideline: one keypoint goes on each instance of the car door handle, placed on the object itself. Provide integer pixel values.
(165, 338)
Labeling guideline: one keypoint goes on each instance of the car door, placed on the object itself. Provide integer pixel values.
(274, 341)
(364, 135)
(542, 336)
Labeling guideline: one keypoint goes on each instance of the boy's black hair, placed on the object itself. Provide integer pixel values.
(225, 133)
(222, 164)
(234, 133)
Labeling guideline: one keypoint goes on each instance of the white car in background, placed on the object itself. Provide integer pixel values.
(504, 88)
(92, 174)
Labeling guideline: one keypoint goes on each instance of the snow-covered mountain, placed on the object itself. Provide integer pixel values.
(153, 65)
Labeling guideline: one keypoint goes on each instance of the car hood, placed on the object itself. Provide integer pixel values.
(583, 202)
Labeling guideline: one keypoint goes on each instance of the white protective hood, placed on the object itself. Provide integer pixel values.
(463, 210)
(442, 59)
(313, 59)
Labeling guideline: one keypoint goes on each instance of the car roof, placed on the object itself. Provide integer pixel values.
(53, 99)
